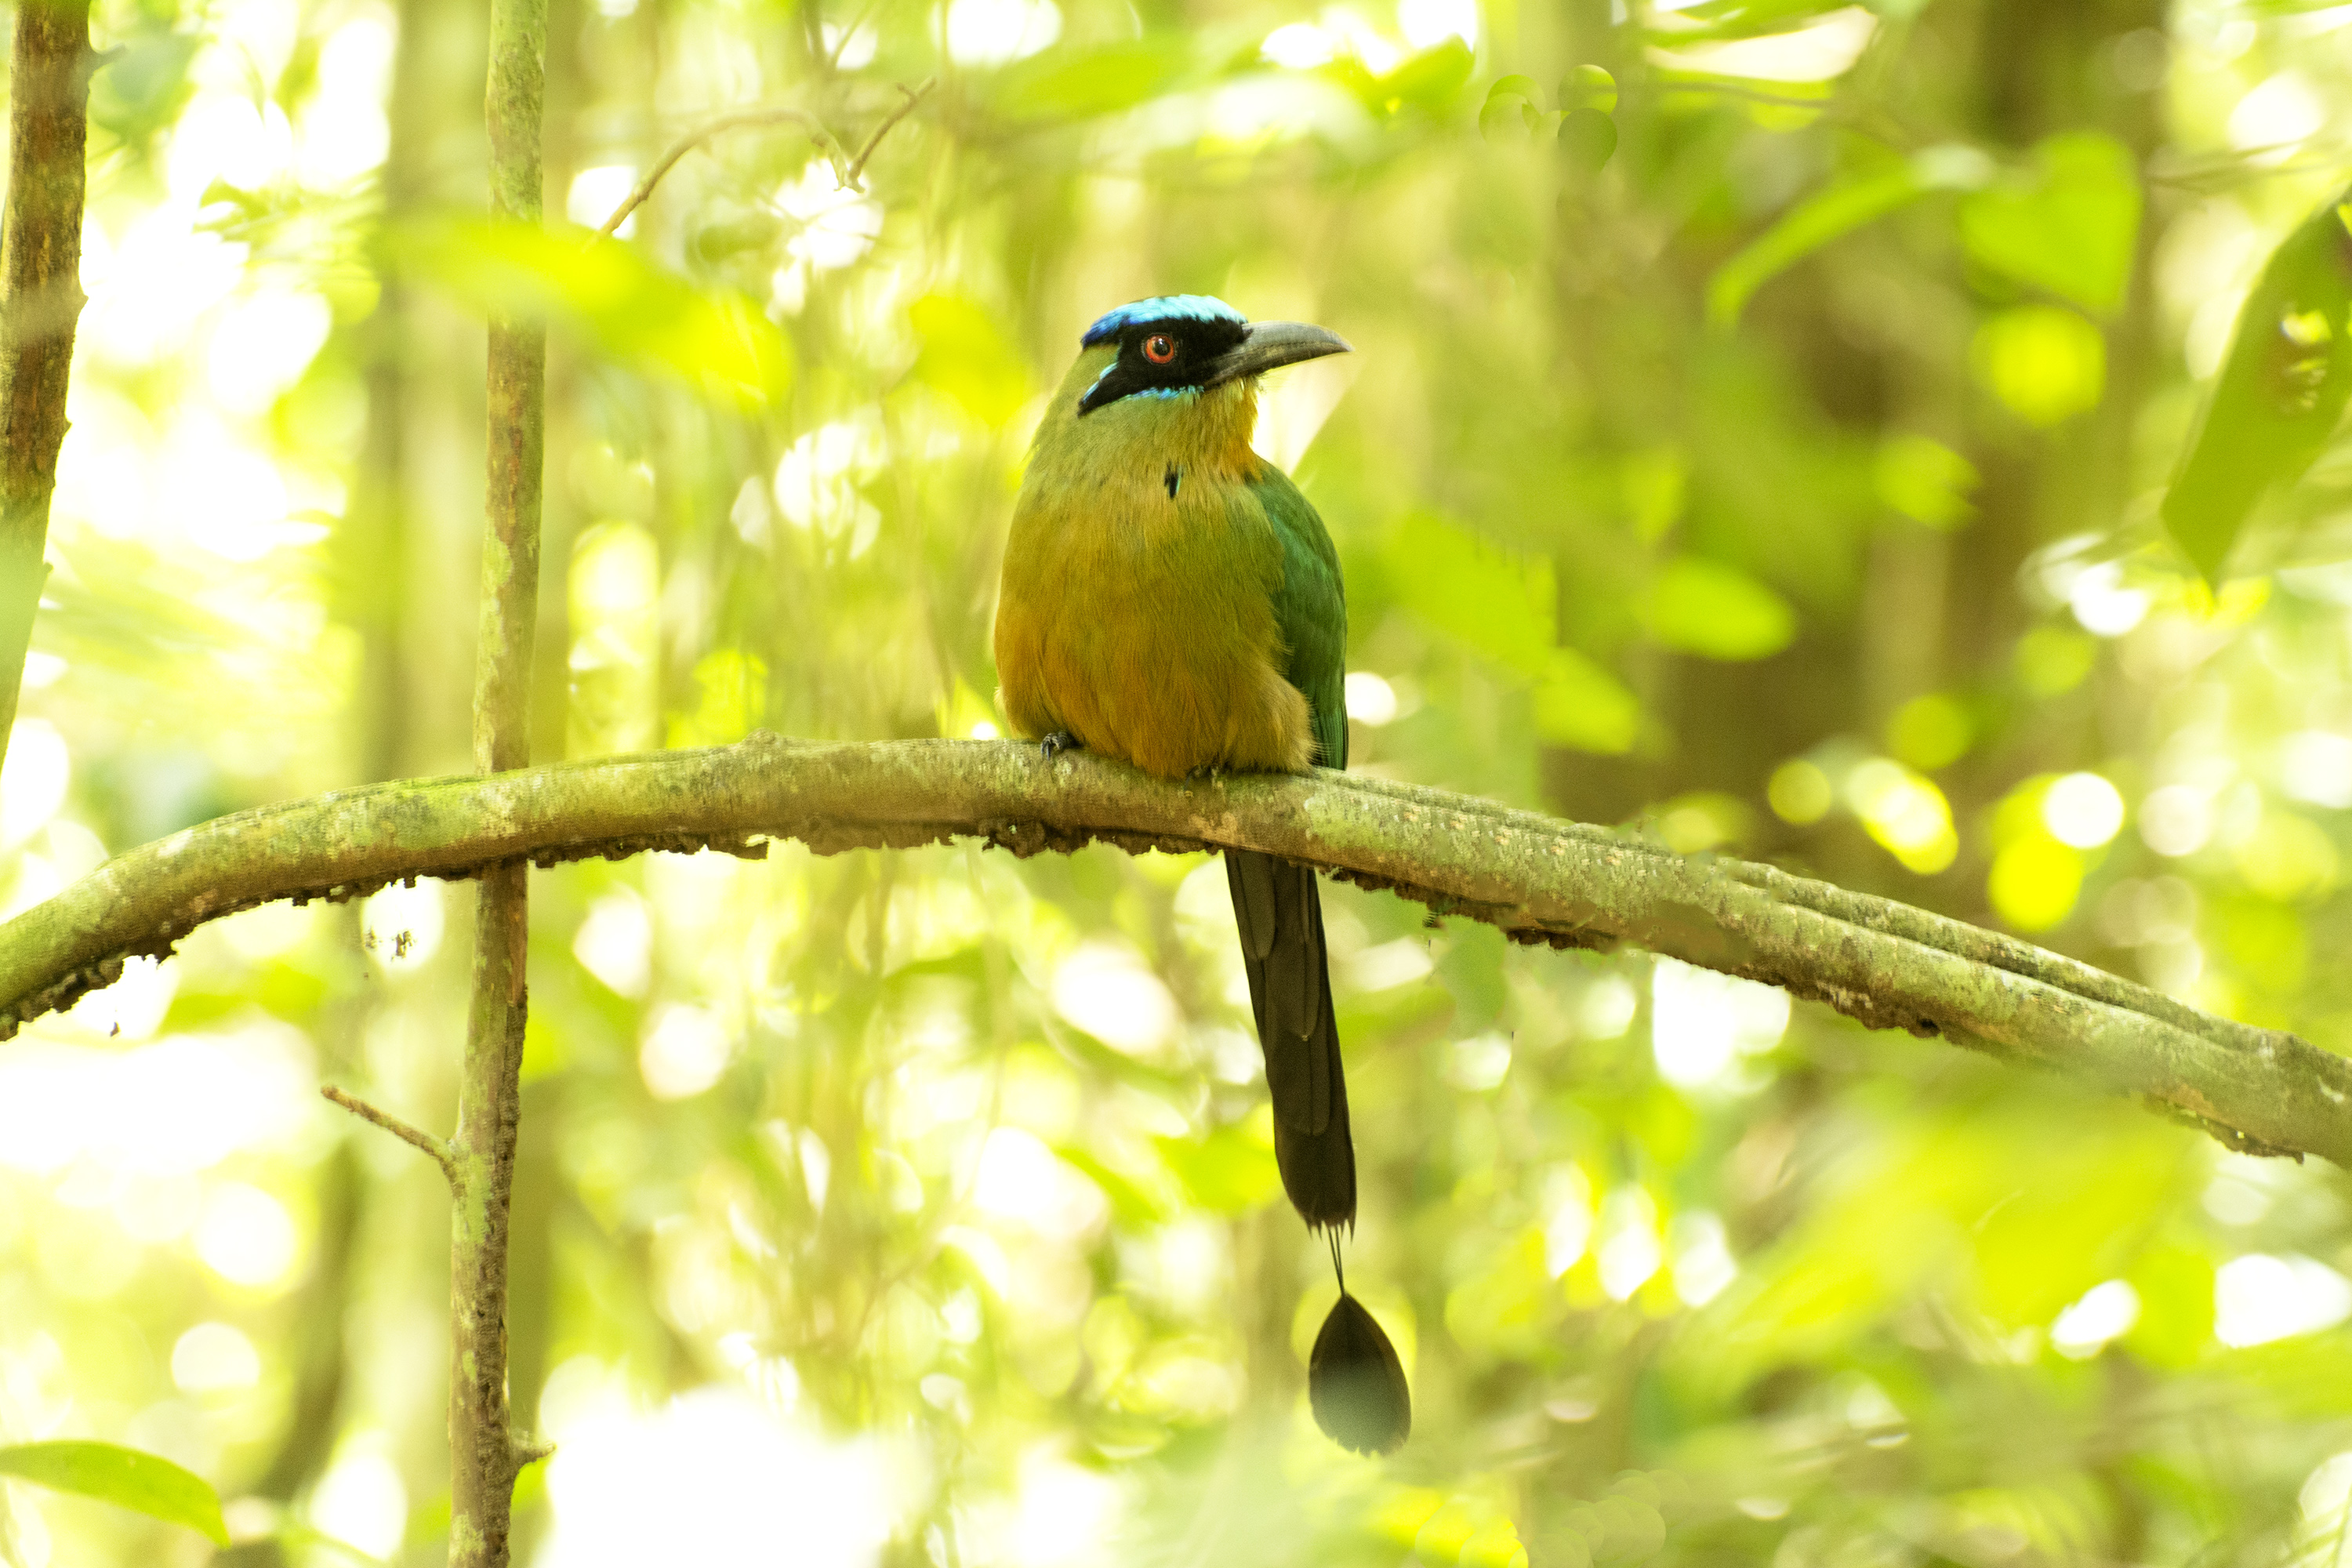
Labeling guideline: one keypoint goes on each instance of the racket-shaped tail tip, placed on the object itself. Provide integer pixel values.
(1355, 1385)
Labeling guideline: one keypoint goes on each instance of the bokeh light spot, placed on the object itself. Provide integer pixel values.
(2034, 882)
(1370, 699)
(215, 1358)
(2083, 810)
(2259, 1297)
(1702, 1023)
(1428, 23)
(1799, 792)
(2106, 1312)
(684, 1052)
(1105, 989)
(2045, 364)
(245, 1236)
(362, 1500)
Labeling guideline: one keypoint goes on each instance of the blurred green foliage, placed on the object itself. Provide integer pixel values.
(1900, 441)
(126, 1478)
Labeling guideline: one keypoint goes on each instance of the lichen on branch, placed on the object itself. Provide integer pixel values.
(1539, 879)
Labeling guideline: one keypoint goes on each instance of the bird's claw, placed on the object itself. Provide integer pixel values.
(1057, 743)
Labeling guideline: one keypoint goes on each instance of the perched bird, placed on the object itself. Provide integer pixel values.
(1169, 599)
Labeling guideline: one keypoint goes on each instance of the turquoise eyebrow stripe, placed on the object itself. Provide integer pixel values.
(1141, 392)
(1162, 308)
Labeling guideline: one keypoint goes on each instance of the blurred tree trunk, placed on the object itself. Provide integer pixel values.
(375, 597)
(565, 151)
(2037, 70)
(48, 128)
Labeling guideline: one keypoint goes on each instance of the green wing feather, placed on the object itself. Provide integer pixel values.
(1277, 905)
(1311, 608)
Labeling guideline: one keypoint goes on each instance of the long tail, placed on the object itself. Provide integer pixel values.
(1280, 913)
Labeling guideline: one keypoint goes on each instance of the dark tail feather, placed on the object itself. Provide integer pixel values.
(1280, 913)
(1355, 1383)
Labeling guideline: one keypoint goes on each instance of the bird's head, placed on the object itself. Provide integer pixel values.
(1182, 346)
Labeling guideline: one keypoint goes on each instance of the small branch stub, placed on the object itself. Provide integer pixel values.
(417, 1136)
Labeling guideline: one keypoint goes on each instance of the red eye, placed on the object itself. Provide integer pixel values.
(1159, 349)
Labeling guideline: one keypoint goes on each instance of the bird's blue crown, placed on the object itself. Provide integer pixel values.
(1164, 308)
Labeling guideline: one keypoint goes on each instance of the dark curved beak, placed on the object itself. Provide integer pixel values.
(1271, 345)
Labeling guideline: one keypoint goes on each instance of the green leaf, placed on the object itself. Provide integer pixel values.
(1078, 83)
(1231, 1170)
(1511, 110)
(1498, 603)
(1834, 213)
(608, 294)
(1522, 87)
(1925, 480)
(143, 1483)
(1509, 1308)
(1589, 87)
(1133, 1203)
(1589, 138)
(1430, 80)
(967, 359)
(1712, 19)
(1503, 606)
(141, 84)
(2282, 389)
(1579, 705)
(716, 242)
(2069, 225)
(1716, 611)
(2175, 1306)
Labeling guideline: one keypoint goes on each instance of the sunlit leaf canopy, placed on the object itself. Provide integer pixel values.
(1782, 469)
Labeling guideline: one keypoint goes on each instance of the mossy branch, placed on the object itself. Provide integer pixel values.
(1540, 878)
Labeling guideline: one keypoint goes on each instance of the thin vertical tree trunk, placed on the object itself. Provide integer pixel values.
(373, 595)
(485, 1453)
(48, 117)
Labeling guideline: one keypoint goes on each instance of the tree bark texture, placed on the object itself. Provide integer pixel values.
(485, 1453)
(49, 120)
(1540, 878)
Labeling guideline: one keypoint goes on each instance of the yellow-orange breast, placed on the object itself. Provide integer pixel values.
(1141, 622)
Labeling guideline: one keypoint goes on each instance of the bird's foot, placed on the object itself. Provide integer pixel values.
(1057, 743)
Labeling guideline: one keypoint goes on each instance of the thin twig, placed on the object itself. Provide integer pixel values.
(849, 179)
(847, 175)
(392, 1124)
(693, 139)
(483, 1457)
(2243, 167)
(1747, 94)
(832, 55)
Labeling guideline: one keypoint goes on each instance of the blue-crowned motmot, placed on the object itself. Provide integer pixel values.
(1169, 599)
